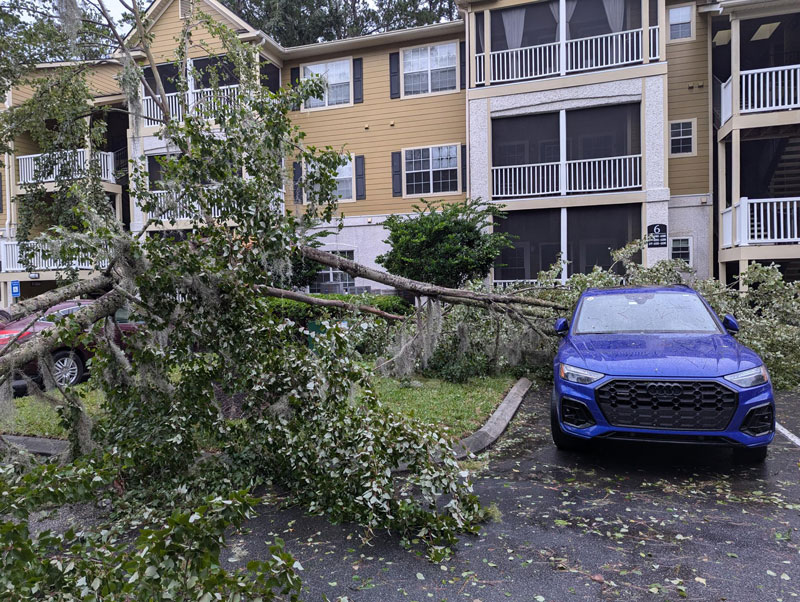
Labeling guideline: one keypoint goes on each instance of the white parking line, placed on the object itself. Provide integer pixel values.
(791, 437)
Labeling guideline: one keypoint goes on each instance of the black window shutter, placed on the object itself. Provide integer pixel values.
(297, 169)
(463, 53)
(464, 167)
(394, 75)
(294, 78)
(361, 179)
(358, 80)
(397, 174)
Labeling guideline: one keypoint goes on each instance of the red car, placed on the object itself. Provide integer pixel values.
(69, 364)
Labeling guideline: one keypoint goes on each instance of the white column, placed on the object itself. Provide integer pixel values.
(190, 84)
(562, 36)
(645, 31)
(564, 247)
(562, 141)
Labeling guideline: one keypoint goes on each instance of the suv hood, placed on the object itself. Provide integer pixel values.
(658, 355)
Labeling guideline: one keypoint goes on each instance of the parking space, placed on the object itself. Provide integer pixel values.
(617, 522)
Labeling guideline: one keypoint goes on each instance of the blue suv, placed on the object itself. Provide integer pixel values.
(657, 364)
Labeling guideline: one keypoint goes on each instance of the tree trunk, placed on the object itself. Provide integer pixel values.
(420, 288)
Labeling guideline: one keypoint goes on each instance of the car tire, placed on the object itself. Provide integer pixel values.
(562, 440)
(749, 455)
(68, 368)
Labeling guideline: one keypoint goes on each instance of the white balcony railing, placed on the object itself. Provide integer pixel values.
(73, 164)
(524, 63)
(768, 221)
(607, 174)
(582, 54)
(207, 98)
(655, 42)
(727, 228)
(772, 89)
(604, 51)
(172, 207)
(480, 69)
(515, 181)
(726, 100)
(11, 261)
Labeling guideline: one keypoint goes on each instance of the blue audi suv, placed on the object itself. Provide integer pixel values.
(657, 364)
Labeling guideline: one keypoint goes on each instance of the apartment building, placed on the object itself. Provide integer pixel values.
(26, 165)
(572, 127)
(594, 122)
(756, 68)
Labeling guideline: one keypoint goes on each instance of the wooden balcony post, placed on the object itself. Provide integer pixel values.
(736, 78)
(645, 31)
(562, 36)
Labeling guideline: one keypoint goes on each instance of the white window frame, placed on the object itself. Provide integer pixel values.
(352, 160)
(693, 122)
(691, 244)
(692, 23)
(429, 93)
(352, 199)
(327, 107)
(432, 195)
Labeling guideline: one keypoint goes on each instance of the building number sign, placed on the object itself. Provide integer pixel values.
(657, 235)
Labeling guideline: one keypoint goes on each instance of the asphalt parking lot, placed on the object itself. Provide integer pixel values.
(619, 522)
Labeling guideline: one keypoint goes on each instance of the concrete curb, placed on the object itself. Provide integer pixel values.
(40, 446)
(497, 423)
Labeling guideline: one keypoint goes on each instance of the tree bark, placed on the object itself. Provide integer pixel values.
(303, 298)
(420, 288)
(59, 295)
(43, 342)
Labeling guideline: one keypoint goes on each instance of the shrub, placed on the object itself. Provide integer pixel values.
(447, 245)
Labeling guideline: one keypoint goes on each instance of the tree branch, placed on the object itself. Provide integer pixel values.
(303, 298)
(44, 341)
(59, 295)
(420, 288)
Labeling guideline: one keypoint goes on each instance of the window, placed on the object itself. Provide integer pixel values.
(430, 69)
(344, 181)
(337, 77)
(431, 170)
(681, 248)
(330, 280)
(680, 22)
(681, 137)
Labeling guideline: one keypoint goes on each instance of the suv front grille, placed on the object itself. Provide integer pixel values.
(695, 405)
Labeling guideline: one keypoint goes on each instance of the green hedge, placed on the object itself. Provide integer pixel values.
(303, 313)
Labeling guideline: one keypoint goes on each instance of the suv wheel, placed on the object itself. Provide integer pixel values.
(67, 368)
(562, 440)
(749, 455)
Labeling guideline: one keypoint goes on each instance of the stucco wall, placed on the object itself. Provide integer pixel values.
(691, 216)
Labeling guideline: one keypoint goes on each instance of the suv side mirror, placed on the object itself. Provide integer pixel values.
(562, 327)
(730, 324)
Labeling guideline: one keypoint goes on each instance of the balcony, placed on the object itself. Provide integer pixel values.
(587, 176)
(585, 54)
(761, 222)
(11, 260)
(44, 168)
(599, 151)
(205, 99)
(170, 207)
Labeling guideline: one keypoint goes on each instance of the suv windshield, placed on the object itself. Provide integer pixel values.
(644, 311)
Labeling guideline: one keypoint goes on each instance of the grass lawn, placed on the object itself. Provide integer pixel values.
(462, 408)
(39, 418)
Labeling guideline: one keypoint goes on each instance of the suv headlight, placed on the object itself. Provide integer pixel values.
(749, 378)
(580, 376)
